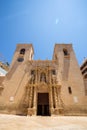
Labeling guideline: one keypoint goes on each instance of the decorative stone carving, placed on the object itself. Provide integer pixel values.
(42, 80)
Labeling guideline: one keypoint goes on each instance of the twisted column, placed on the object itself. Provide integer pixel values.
(55, 97)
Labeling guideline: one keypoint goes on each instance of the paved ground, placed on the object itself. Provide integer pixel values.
(12, 122)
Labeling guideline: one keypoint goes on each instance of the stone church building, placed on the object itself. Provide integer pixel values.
(43, 87)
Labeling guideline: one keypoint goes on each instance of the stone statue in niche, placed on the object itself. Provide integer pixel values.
(32, 79)
(43, 77)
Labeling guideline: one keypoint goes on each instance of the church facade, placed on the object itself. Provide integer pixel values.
(43, 87)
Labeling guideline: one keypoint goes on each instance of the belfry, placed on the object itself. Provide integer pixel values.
(43, 87)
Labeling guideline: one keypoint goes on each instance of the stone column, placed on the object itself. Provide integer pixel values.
(51, 101)
(55, 97)
(57, 92)
(36, 75)
(50, 76)
(34, 101)
(51, 97)
(30, 102)
(34, 104)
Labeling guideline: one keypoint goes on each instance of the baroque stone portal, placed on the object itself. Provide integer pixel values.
(43, 91)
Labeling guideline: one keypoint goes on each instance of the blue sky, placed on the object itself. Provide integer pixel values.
(43, 23)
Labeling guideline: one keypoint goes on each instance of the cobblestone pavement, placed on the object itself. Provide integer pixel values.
(12, 122)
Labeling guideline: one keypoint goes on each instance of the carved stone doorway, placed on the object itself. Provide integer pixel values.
(43, 104)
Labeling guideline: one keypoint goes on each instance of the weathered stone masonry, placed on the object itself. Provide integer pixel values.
(43, 87)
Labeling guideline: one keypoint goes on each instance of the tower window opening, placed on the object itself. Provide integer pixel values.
(65, 52)
(22, 51)
(69, 90)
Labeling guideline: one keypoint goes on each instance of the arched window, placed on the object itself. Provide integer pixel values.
(65, 52)
(22, 51)
(43, 77)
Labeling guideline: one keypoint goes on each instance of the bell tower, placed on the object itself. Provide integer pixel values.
(23, 53)
(69, 73)
(17, 77)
